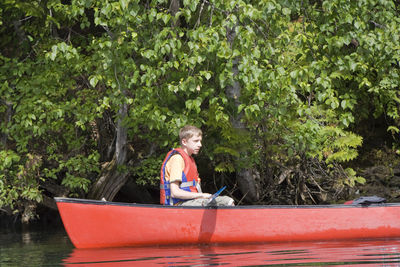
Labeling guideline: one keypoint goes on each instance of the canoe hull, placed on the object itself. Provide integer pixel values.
(91, 223)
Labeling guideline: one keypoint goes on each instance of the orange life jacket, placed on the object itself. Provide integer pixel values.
(190, 178)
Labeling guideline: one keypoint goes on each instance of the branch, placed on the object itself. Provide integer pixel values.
(108, 31)
(198, 19)
(377, 24)
(214, 7)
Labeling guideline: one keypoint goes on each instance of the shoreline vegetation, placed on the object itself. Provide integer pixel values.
(299, 101)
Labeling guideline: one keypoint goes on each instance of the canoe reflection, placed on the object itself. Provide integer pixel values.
(356, 252)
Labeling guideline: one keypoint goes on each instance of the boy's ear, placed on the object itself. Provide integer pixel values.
(184, 141)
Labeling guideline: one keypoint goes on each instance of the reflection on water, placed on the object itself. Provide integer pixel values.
(48, 247)
(38, 247)
(366, 252)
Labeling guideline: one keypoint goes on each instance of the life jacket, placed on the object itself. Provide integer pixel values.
(190, 178)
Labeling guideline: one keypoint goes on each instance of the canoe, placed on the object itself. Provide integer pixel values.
(97, 224)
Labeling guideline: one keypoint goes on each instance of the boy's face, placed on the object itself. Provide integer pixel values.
(192, 145)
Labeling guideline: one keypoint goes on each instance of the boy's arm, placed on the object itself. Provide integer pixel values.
(177, 192)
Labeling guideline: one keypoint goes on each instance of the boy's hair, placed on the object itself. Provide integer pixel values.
(188, 132)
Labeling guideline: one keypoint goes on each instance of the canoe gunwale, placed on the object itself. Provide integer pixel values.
(110, 203)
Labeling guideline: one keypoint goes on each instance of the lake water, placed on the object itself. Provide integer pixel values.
(51, 247)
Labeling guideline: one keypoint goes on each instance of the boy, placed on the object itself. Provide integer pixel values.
(180, 182)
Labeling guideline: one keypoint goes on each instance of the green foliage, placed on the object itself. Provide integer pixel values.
(73, 182)
(17, 181)
(351, 178)
(309, 73)
(148, 171)
(78, 171)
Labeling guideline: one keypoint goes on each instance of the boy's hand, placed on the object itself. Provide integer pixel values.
(205, 195)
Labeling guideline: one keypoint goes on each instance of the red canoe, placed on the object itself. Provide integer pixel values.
(92, 223)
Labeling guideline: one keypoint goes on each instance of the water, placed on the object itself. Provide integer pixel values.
(51, 247)
(37, 247)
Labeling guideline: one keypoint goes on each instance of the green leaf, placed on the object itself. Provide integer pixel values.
(93, 81)
(393, 129)
(286, 11)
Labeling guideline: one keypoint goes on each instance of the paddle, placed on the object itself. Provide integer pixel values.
(214, 196)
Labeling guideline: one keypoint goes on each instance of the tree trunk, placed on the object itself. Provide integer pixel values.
(113, 174)
(110, 181)
(244, 176)
(174, 7)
